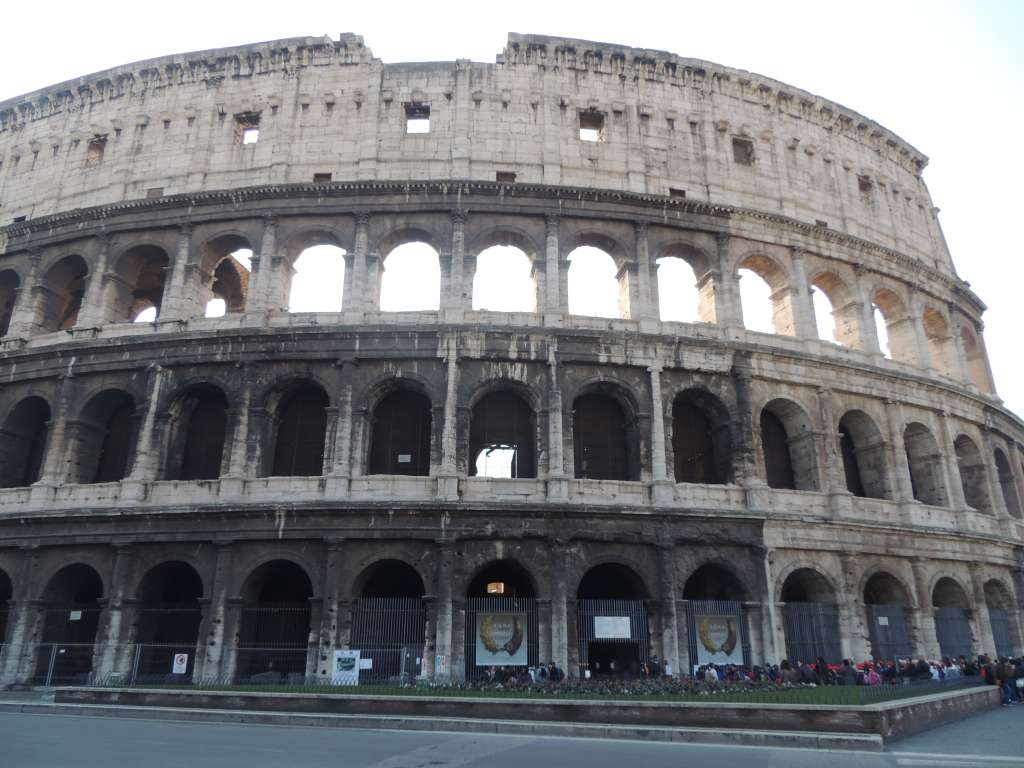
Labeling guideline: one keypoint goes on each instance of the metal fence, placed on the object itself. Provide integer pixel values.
(953, 632)
(1001, 634)
(500, 632)
(889, 632)
(273, 643)
(727, 610)
(613, 636)
(812, 631)
(389, 633)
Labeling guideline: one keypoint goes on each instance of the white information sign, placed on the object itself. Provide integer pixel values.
(883, 621)
(612, 627)
(718, 640)
(180, 664)
(346, 668)
(75, 616)
(365, 663)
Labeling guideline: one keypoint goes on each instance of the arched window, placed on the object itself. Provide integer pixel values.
(893, 325)
(952, 626)
(400, 440)
(71, 613)
(501, 607)
(612, 593)
(301, 431)
(765, 297)
(503, 281)
(319, 280)
(678, 297)
(787, 443)
(273, 638)
(603, 439)
(199, 421)
(230, 287)
(1000, 612)
(140, 288)
(504, 578)
(701, 438)
(9, 285)
(389, 620)
(713, 582)
(925, 462)
(836, 313)
(168, 621)
(24, 441)
(886, 605)
(941, 347)
(1007, 484)
(502, 434)
(972, 474)
(411, 280)
(106, 438)
(863, 452)
(778, 466)
(6, 595)
(811, 617)
(61, 301)
(975, 359)
(593, 284)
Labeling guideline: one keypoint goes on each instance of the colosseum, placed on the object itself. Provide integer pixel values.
(201, 480)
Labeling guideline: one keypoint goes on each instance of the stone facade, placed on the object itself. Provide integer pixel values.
(901, 478)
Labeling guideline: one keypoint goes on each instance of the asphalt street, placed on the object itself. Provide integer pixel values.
(60, 741)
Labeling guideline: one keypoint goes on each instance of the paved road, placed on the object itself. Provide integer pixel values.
(59, 741)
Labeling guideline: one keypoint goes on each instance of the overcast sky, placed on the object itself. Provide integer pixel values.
(946, 76)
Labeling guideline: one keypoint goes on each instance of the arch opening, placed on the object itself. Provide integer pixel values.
(401, 435)
(24, 442)
(701, 439)
(787, 445)
(502, 628)
(502, 435)
(594, 286)
(895, 328)
(604, 438)
(318, 280)
(941, 345)
(301, 422)
(199, 424)
(63, 291)
(612, 622)
(412, 279)
(836, 311)
(952, 627)
(503, 281)
(973, 475)
(863, 452)
(811, 617)
(274, 634)
(887, 606)
(229, 286)
(71, 612)
(389, 621)
(974, 357)
(765, 296)
(168, 621)
(679, 299)
(925, 462)
(712, 581)
(106, 439)
(502, 578)
(1007, 484)
(999, 602)
(10, 284)
(138, 293)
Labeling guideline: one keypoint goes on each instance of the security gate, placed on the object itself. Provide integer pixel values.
(614, 638)
(953, 632)
(165, 632)
(273, 643)
(812, 630)
(704, 619)
(889, 633)
(65, 656)
(389, 632)
(1001, 632)
(500, 632)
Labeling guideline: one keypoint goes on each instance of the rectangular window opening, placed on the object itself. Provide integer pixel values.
(592, 126)
(865, 186)
(18, 219)
(505, 177)
(417, 118)
(677, 193)
(94, 151)
(247, 128)
(155, 192)
(742, 151)
(321, 178)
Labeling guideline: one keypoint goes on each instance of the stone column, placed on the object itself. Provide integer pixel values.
(54, 469)
(557, 484)
(177, 304)
(995, 490)
(328, 636)
(557, 304)
(869, 334)
(447, 477)
(229, 649)
(775, 641)
(745, 467)
(211, 636)
(646, 286)
(341, 467)
(443, 580)
(236, 462)
(667, 595)
(903, 490)
(147, 452)
(109, 657)
(856, 641)
(835, 475)
(1016, 469)
(262, 263)
(986, 639)
(927, 638)
(728, 308)
(23, 316)
(94, 310)
(952, 467)
(803, 305)
(924, 356)
(354, 299)
(662, 490)
(23, 613)
(454, 297)
(558, 552)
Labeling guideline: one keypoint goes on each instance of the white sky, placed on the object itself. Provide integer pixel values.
(946, 76)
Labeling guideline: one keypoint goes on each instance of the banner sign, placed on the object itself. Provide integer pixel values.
(718, 639)
(346, 668)
(501, 639)
(612, 628)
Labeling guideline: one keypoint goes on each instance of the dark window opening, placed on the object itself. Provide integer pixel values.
(154, 192)
(400, 443)
(273, 638)
(168, 621)
(140, 292)
(117, 445)
(742, 151)
(301, 431)
(777, 461)
(592, 126)
(713, 582)
(198, 436)
(322, 178)
(611, 581)
(9, 285)
(21, 451)
(701, 440)
(94, 151)
(602, 437)
(504, 177)
(851, 467)
(392, 578)
(679, 194)
(62, 301)
(417, 118)
(71, 610)
(865, 187)
(247, 128)
(18, 219)
(514, 581)
(501, 437)
(821, 223)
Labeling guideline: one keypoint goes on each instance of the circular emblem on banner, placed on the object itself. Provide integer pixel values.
(502, 635)
(717, 634)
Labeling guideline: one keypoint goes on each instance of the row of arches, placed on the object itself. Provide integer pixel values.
(504, 441)
(687, 285)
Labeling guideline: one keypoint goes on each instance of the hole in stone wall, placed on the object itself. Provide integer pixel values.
(593, 285)
(603, 439)
(501, 437)
(319, 280)
(742, 151)
(106, 437)
(755, 298)
(417, 118)
(61, 302)
(1007, 484)
(863, 453)
(503, 281)
(400, 439)
(701, 439)
(924, 460)
(678, 298)
(823, 315)
(592, 126)
(230, 287)
(412, 279)
(972, 474)
(21, 451)
(199, 419)
(9, 284)
(301, 431)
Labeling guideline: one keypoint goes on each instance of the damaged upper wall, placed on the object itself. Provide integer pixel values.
(328, 110)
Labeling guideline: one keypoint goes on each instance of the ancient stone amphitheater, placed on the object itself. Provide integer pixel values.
(191, 470)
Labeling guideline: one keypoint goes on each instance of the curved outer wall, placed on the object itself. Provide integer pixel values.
(145, 165)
